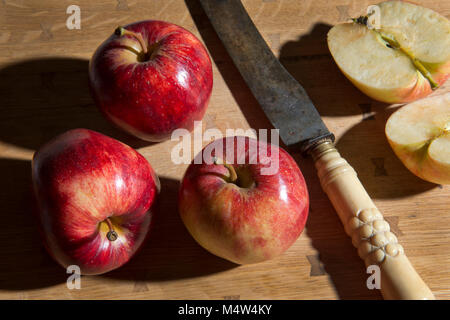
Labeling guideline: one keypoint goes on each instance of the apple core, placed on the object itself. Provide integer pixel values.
(400, 56)
(389, 41)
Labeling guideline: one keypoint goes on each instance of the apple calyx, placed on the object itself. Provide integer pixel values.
(391, 42)
(144, 55)
(111, 235)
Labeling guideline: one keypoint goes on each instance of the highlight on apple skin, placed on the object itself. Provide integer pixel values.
(150, 78)
(402, 61)
(96, 197)
(419, 134)
(236, 212)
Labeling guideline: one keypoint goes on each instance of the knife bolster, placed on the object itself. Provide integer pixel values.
(365, 224)
(310, 144)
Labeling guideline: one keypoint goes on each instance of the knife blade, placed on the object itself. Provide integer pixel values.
(290, 110)
(284, 101)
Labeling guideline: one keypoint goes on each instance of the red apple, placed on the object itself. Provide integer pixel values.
(96, 197)
(237, 211)
(150, 78)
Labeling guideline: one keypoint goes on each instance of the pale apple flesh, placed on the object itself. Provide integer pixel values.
(252, 220)
(419, 134)
(89, 185)
(386, 73)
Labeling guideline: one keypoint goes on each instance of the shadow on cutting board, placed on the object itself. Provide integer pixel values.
(310, 62)
(341, 263)
(24, 263)
(382, 174)
(170, 252)
(42, 98)
(335, 256)
(364, 145)
(230, 74)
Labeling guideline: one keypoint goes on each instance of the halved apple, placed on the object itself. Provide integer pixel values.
(403, 60)
(419, 134)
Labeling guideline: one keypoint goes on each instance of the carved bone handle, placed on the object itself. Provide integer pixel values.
(364, 223)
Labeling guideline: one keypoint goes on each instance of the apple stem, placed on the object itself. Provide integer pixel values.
(111, 235)
(233, 175)
(393, 44)
(120, 31)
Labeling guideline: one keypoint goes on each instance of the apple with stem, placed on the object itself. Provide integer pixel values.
(399, 53)
(419, 134)
(150, 78)
(96, 196)
(237, 207)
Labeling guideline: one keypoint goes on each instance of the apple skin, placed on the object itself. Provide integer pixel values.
(418, 88)
(80, 179)
(250, 224)
(150, 99)
(419, 162)
(421, 155)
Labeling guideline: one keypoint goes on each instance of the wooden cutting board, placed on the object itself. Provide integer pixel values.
(43, 92)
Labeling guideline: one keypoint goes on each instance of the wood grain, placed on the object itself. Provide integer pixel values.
(43, 92)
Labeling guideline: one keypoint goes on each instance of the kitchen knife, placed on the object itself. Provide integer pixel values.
(289, 109)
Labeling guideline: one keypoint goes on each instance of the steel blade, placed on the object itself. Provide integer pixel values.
(282, 98)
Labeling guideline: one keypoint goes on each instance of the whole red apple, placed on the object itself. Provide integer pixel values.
(96, 197)
(237, 211)
(150, 78)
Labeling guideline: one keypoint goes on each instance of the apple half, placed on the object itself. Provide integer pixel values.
(419, 134)
(403, 60)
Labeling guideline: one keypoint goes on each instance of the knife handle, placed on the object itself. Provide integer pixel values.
(365, 224)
